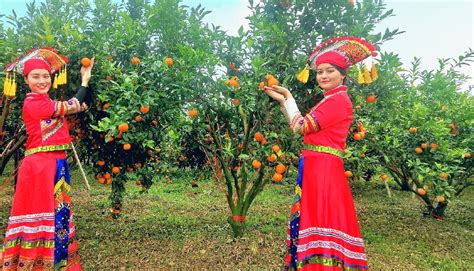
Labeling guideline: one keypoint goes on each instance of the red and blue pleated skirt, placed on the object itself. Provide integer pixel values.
(323, 231)
(40, 233)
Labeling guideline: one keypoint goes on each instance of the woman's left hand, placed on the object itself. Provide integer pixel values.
(86, 73)
(281, 90)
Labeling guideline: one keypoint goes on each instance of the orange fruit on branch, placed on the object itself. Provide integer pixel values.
(135, 60)
(127, 146)
(412, 130)
(193, 112)
(276, 148)
(144, 109)
(169, 61)
(258, 137)
(467, 155)
(234, 82)
(357, 137)
(424, 145)
(123, 127)
(280, 169)
(443, 175)
(138, 118)
(433, 145)
(256, 164)
(115, 170)
(418, 150)
(348, 173)
(277, 177)
(371, 99)
(100, 163)
(421, 191)
(271, 158)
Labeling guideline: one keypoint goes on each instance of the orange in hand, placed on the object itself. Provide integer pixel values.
(86, 62)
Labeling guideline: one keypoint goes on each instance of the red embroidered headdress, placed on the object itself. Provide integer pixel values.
(36, 59)
(342, 52)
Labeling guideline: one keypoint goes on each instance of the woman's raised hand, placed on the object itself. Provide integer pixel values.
(86, 73)
(278, 93)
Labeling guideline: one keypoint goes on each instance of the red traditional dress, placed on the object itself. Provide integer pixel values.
(41, 234)
(323, 232)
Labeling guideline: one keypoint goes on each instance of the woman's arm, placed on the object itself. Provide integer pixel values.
(76, 104)
(296, 121)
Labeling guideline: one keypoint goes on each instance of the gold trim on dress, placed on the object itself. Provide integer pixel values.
(324, 149)
(49, 148)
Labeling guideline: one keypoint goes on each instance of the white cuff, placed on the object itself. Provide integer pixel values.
(291, 109)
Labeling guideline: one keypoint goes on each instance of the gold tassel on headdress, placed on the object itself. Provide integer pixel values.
(367, 75)
(9, 86)
(55, 83)
(65, 75)
(375, 76)
(303, 75)
(6, 85)
(360, 77)
(61, 77)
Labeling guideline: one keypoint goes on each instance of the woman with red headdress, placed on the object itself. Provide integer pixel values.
(323, 232)
(41, 232)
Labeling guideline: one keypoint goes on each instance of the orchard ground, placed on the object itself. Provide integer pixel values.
(176, 226)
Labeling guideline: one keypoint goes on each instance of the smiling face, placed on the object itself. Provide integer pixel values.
(328, 77)
(39, 81)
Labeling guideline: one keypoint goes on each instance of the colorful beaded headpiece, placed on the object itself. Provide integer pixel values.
(36, 59)
(342, 52)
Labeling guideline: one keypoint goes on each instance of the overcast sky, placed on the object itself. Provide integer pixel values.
(434, 28)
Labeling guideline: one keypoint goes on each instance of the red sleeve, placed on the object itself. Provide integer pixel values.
(331, 112)
(39, 108)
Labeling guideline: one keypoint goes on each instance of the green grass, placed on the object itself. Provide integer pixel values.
(175, 226)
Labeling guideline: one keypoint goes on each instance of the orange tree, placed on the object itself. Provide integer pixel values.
(146, 73)
(418, 128)
(198, 84)
(245, 138)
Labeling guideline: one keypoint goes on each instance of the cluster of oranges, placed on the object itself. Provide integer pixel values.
(259, 137)
(360, 131)
(424, 146)
(105, 178)
(271, 81)
(272, 158)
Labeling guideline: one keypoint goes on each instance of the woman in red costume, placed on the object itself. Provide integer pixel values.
(323, 232)
(40, 234)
